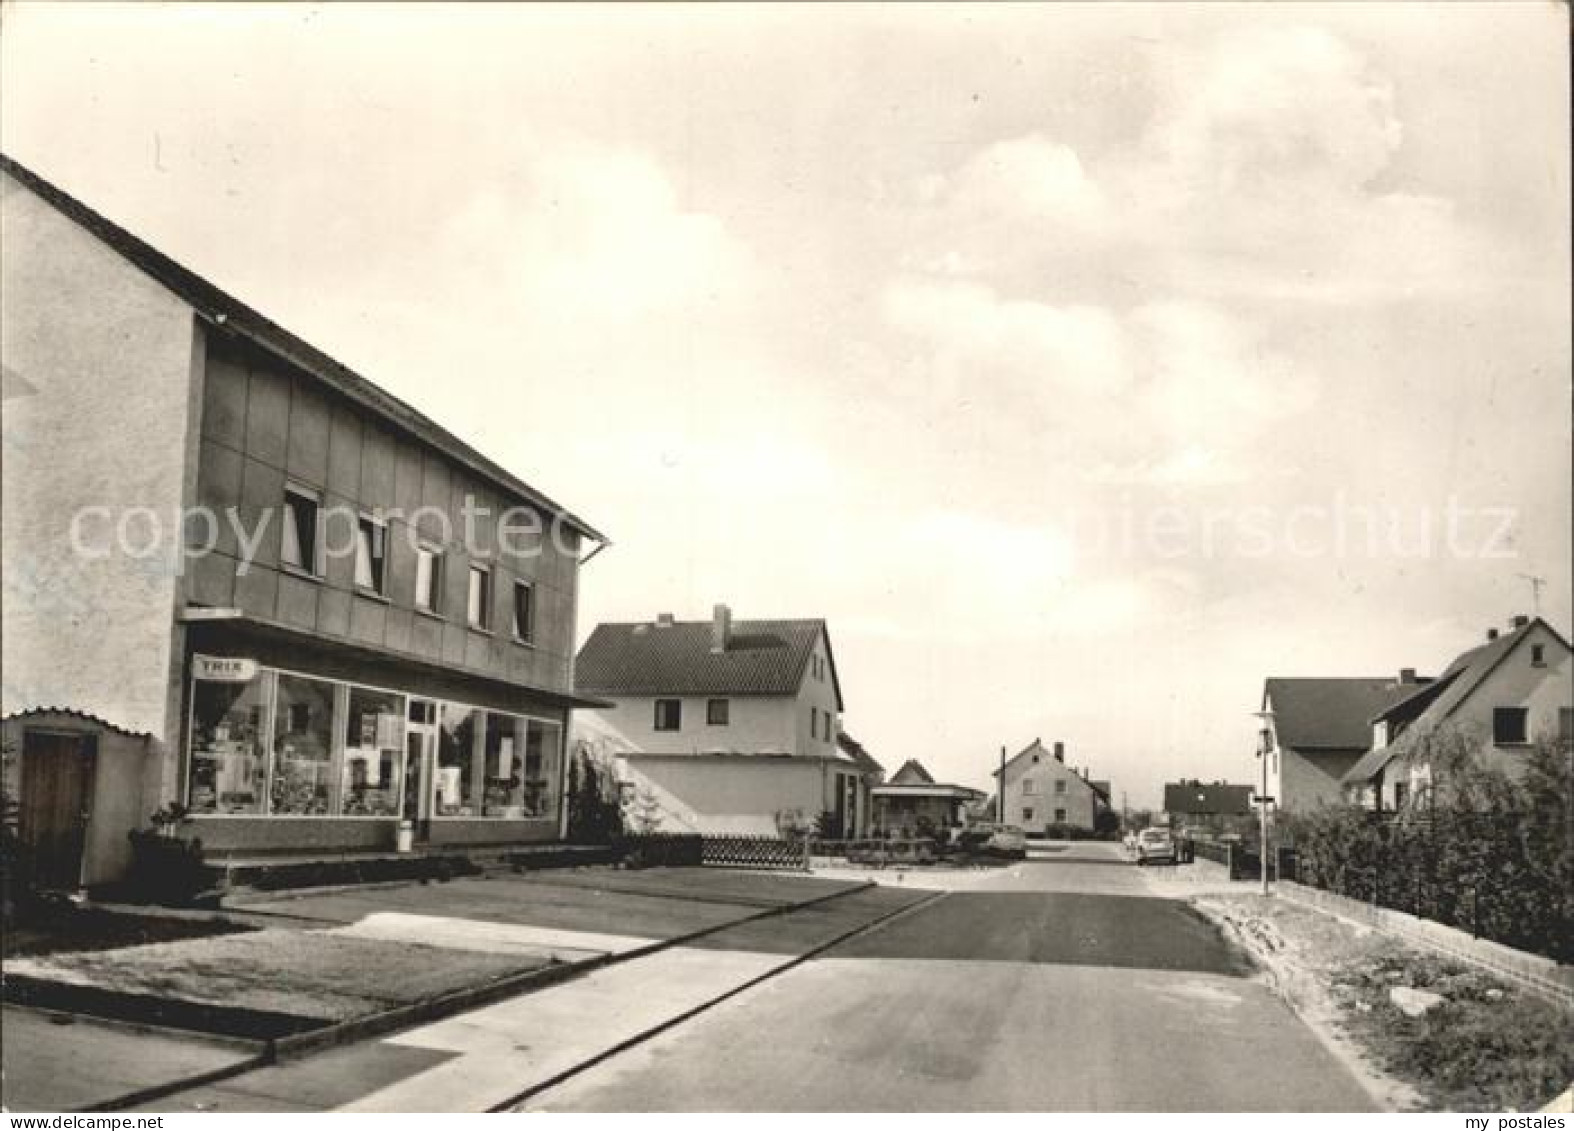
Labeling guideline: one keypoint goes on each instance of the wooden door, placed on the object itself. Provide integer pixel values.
(57, 794)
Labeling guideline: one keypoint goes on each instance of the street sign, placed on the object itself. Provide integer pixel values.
(1263, 800)
(224, 669)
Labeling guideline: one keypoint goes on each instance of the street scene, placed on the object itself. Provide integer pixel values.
(764, 558)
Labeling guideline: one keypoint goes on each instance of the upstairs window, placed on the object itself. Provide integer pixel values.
(479, 606)
(1060, 787)
(371, 550)
(718, 712)
(669, 714)
(1029, 786)
(1538, 655)
(428, 578)
(299, 545)
(524, 612)
(1510, 726)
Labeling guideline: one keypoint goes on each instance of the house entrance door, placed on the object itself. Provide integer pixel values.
(57, 798)
(420, 749)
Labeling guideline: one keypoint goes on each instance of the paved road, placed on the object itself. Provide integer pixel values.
(1071, 982)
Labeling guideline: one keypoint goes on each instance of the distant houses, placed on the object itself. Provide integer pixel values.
(912, 803)
(1318, 729)
(1375, 741)
(1491, 704)
(1209, 805)
(1042, 794)
(724, 726)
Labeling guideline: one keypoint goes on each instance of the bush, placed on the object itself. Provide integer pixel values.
(1489, 854)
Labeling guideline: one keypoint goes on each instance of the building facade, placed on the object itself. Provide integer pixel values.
(913, 804)
(1040, 791)
(1493, 703)
(244, 580)
(725, 726)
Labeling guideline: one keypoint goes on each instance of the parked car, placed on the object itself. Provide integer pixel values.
(995, 840)
(1155, 844)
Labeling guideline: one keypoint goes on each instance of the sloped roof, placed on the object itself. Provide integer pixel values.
(1204, 798)
(226, 314)
(912, 773)
(81, 716)
(860, 756)
(1439, 700)
(1330, 713)
(763, 657)
(1035, 747)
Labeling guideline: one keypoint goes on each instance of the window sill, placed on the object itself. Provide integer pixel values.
(479, 630)
(372, 595)
(300, 572)
(431, 614)
(523, 643)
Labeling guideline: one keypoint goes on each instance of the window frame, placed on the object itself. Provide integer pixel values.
(375, 531)
(528, 590)
(660, 717)
(428, 551)
(310, 553)
(478, 612)
(711, 712)
(1501, 716)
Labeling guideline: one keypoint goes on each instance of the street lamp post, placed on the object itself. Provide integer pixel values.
(1264, 747)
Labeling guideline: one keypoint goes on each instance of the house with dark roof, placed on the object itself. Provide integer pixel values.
(912, 803)
(243, 579)
(1318, 728)
(730, 726)
(1210, 805)
(1042, 792)
(1493, 702)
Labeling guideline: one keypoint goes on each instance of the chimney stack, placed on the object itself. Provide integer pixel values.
(1491, 634)
(1060, 751)
(1521, 621)
(1407, 675)
(720, 628)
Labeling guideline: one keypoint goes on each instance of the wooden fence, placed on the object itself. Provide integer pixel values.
(755, 852)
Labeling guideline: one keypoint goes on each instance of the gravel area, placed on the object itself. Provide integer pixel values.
(1425, 1032)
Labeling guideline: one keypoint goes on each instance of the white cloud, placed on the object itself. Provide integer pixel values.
(1030, 178)
(978, 336)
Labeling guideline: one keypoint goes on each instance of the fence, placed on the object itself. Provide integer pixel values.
(755, 852)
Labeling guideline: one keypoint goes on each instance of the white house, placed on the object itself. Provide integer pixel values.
(1499, 697)
(725, 726)
(1041, 791)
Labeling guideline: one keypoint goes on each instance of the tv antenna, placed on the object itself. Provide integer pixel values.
(1535, 589)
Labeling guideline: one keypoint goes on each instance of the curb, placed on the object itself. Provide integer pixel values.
(433, 1009)
(672, 1022)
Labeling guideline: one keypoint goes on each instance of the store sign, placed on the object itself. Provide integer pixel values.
(224, 669)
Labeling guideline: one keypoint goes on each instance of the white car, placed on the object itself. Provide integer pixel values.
(1155, 844)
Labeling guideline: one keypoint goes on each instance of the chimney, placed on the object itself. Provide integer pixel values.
(663, 620)
(1521, 621)
(720, 628)
(1407, 675)
(1060, 751)
(1491, 634)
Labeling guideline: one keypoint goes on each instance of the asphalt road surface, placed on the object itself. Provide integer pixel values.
(1071, 982)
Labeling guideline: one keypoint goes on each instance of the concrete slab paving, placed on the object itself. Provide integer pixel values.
(53, 1062)
(491, 938)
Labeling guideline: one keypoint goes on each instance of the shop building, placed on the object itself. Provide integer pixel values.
(244, 580)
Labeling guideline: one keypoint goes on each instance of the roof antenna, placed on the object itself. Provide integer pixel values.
(1535, 589)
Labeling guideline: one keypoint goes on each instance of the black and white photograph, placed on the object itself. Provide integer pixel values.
(762, 558)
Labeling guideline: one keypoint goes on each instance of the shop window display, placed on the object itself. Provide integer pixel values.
(229, 767)
(373, 754)
(456, 755)
(302, 747)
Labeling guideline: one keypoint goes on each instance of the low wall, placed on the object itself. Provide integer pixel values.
(1542, 975)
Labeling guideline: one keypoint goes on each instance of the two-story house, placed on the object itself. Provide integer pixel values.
(243, 579)
(1040, 791)
(725, 726)
(1317, 728)
(1491, 704)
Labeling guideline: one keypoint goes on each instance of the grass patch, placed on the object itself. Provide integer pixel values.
(49, 929)
(313, 974)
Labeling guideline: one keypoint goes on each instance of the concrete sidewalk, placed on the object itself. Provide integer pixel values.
(490, 1056)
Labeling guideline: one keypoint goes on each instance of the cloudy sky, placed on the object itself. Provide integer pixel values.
(1081, 365)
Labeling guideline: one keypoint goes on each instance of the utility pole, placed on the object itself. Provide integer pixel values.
(1000, 791)
(1264, 747)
